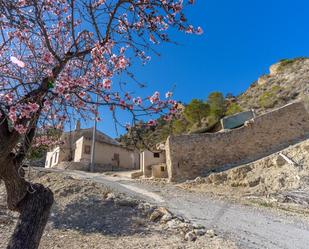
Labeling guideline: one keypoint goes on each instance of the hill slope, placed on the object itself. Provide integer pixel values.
(287, 81)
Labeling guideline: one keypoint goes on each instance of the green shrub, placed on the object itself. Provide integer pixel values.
(196, 110)
(287, 62)
(233, 108)
(179, 126)
(268, 100)
(276, 89)
(216, 103)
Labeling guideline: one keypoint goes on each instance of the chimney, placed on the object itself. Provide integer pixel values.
(77, 127)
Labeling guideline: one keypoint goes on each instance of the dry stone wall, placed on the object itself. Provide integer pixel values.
(188, 156)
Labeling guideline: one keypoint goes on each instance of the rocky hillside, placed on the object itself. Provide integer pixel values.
(287, 81)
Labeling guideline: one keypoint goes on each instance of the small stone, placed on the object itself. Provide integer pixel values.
(141, 206)
(199, 227)
(163, 210)
(185, 225)
(126, 202)
(181, 219)
(155, 216)
(148, 206)
(65, 178)
(190, 236)
(279, 161)
(200, 232)
(199, 180)
(110, 196)
(173, 224)
(167, 217)
(158, 214)
(211, 233)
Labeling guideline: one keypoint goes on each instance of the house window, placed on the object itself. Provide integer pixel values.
(162, 168)
(157, 155)
(87, 149)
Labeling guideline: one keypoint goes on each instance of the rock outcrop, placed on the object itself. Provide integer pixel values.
(287, 81)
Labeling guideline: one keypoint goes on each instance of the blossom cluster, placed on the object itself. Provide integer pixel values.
(56, 63)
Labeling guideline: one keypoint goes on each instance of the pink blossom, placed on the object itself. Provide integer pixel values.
(17, 62)
(155, 97)
(34, 107)
(67, 97)
(137, 101)
(152, 39)
(199, 31)
(20, 129)
(107, 84)
(128, 126)
(122, 63)
(21, 3)
(107, 98)
(47, 57)
(190, 29)
(8, 97)
(152, 122)
(167, 117)
(76, 63)
(168, 95)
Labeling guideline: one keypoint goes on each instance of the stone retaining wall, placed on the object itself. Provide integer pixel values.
(188, 156)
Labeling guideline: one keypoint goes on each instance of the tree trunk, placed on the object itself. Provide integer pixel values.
(34, 212)
(33, 202)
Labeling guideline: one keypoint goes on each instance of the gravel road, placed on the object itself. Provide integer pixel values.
(249, 227)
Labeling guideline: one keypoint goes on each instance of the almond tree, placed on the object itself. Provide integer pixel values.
(59, 58)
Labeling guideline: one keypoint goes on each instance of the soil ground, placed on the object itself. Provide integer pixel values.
(89, 215)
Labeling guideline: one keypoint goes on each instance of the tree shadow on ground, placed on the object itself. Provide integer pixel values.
(93, 215)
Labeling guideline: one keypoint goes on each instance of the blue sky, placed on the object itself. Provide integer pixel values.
(241, 40)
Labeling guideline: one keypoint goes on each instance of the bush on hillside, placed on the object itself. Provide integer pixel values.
(196, 110)
(268, 100)
(233, 108)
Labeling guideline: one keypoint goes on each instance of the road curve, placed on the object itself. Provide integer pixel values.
(249, 227)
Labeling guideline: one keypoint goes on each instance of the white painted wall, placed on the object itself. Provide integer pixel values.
(52, 157)
(105, 155)
(147, 159)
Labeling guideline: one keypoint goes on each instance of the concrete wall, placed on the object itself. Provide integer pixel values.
(159, 171)
(236, 120)
(105, 158)
(189, 156)
(55, 156)
(147, 159)
(79, 146)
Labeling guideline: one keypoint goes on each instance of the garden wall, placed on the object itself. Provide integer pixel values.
(189, 156)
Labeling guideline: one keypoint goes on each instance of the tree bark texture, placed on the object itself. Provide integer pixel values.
(34, 212)
(33, 202)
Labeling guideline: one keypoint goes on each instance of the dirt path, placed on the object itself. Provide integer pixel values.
(248, 226)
